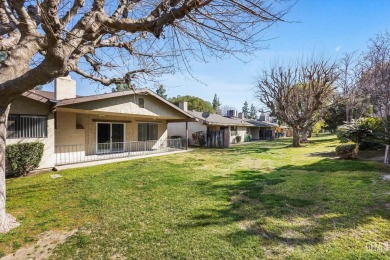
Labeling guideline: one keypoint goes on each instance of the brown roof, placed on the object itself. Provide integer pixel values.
(145, 91)
(46, 94)
(37, 96)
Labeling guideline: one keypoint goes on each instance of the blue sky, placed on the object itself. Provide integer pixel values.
(329, 27)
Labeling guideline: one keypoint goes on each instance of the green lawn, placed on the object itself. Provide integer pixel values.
(261, 200)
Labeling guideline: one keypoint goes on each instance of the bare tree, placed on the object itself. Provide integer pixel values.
(298, 94)
(352, 92)
(376, 78)
(114, 42)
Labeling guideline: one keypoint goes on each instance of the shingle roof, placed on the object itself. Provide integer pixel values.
(46, 94)
(49, 97)
(145, 91)
(261, 123)
(35, 96)
(215, 119)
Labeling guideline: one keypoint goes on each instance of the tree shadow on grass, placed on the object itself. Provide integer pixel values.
(257, 148)
(323, 154)
(292, 205)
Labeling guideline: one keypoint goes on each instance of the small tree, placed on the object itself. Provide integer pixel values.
(194, 103)
(245, 109)
(298, 94)
(318, 127)
(123, 87)
(162, 92)
(216, 104)
(253, 112)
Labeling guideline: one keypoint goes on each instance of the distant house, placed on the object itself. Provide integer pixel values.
(236, 124)
(78, 129)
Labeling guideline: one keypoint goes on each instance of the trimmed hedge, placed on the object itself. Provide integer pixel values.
(347, 151)
(23, 158)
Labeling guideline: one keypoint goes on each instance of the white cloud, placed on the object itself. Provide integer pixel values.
(338, 48)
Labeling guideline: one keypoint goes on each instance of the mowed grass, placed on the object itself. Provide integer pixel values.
(260, 200)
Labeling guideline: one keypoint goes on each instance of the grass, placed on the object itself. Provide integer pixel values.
(260, 200)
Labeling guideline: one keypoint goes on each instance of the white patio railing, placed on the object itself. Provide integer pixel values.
(70, 154)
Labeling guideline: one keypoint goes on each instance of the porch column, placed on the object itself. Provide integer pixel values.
(186, 135)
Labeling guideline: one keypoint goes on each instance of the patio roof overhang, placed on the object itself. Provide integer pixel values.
(104, 115)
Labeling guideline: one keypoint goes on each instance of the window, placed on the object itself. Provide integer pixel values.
(147, 131)
(26, 126)
(233, 130)
(141, 102)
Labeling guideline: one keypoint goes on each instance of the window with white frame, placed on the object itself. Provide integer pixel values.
(26, 126)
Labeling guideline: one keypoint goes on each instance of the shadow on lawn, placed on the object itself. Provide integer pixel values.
(292, 205)
(258, 147)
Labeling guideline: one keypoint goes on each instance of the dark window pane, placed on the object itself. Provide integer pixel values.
(141, 102)
(26, 126)
(142, 132)
(153, 129)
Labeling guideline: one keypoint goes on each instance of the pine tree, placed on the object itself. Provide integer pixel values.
(245, 109)
(253, 112)
(216, 104)
(123, 87)
(162, 92)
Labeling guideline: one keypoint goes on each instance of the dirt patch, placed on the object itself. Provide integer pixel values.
(43, 248)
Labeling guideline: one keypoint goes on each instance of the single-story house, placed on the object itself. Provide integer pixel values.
(77, 129)
(264, 130)
(237, 126)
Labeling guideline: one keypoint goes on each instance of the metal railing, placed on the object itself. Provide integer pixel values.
(70, 154)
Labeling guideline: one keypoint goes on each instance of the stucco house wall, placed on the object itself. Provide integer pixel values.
(241, 131)
(254, 131)
(26, 106)
(179, 129)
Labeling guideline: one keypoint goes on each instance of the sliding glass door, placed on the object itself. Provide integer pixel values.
(110, 137)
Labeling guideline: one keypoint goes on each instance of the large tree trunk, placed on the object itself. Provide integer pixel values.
(304, 135)
(296, 137)
(7, 222)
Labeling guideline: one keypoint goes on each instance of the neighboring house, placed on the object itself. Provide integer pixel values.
(262, 130)
(77, 129)
(238, 126)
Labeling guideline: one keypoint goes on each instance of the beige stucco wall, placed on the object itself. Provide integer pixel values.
(129, 105)
(241, 131)
(67, 134)
(179, 129)
(28, 106)
(254, 131)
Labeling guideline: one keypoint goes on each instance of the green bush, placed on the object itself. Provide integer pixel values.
(347, 151)
(366, 132)
(247, 138)
(23, 158)
(238, 138)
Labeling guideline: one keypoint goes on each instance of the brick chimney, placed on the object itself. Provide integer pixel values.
(64, 88)
(184, 105)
